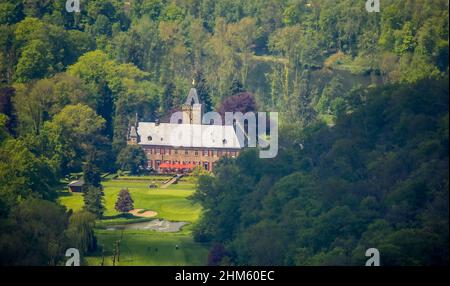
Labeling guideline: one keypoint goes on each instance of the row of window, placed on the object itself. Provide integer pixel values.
(212, 153)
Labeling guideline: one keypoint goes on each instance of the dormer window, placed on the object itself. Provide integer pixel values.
(224, 141)
(149, 138)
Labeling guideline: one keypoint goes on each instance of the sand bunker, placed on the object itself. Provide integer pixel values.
(140, 213)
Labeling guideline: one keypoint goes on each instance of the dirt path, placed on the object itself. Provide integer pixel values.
(136, 212)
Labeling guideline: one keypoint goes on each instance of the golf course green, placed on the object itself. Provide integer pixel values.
(145, 247)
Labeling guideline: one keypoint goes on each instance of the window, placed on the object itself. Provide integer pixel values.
(205, 152)
(186, 152)
(175, 151)
(196, 152)
(149, 138)
(157, 151)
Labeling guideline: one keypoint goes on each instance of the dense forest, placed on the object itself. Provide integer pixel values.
(363, 103)
(379, 178)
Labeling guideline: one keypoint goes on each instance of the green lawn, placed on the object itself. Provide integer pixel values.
(171, 203)
(146, 247)
(149, 248)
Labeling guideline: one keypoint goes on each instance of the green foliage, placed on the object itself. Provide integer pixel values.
(70, 137)
(378, 178)
(203, 91)
(80, 79)
(132, 158)
(93, 195)
(80, 231)
(34, 234)
(10, 12)
(93, 200)
(22, 174)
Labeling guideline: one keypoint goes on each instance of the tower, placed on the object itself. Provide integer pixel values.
(192, 108)
(133, 137)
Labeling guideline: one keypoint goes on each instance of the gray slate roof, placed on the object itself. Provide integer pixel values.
(188, 135)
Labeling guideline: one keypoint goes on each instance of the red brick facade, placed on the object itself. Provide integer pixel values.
(204, 157)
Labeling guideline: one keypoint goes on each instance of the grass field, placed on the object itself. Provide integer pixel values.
(146, 247)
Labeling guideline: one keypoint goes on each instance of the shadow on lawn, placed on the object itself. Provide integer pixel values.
(122, 215)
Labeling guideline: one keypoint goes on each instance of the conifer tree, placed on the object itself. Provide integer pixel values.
(203, 91)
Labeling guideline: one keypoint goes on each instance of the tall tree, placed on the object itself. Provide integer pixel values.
(93, 194)
(203, 91)
(80, 231)
(132, 158)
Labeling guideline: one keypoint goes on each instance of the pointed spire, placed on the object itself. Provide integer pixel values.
(192, 96)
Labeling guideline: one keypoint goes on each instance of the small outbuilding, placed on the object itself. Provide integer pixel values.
(76, 186)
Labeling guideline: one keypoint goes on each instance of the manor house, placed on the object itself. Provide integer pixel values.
(164, 157)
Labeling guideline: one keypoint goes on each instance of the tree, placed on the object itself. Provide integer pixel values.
(7, 108)
(132, 158)
(93, 194)
(10, 12)
(167, 97)
(23, 174)
(91, 175)
(35, 61)
(242, 36)
(216, 254)
(71, 136)
(124, 201)
(34, 234)
(236, 87)
(332, 193)
(93, 200)
(203, 91)
(81, 231)
(241, 102)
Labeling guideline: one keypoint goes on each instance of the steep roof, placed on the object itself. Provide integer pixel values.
(78, 183)
(133, 132)
(188, 135)
(192, 97)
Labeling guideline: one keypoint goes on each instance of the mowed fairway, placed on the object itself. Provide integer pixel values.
(146, 247)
